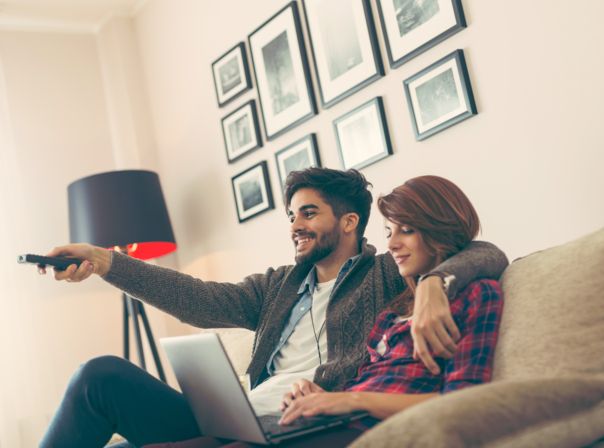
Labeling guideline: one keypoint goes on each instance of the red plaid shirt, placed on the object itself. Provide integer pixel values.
(476, 311)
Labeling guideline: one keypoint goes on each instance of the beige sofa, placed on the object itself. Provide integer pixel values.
(548, 386)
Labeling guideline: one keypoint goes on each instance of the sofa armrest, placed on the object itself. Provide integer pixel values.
(546, 412)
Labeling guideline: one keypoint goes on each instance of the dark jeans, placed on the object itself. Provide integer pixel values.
(110, 395)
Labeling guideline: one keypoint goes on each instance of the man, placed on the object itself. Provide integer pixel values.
(310, 320)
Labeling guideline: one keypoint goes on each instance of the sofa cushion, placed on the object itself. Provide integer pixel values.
(238, 345)
(553, 313)
(520, 413)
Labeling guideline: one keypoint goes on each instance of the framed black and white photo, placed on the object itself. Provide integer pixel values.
(231, 74)
(252, 190)
(362, 135)
(281, 71)
(344, 46)
(413, 26)
(440, 95)
(241, 131)
(298, 156)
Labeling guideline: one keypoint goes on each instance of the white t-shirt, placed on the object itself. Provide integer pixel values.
(299, 356)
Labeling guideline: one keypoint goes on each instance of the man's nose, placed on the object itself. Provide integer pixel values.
(295, 224)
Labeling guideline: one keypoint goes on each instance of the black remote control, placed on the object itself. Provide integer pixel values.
(59, 263)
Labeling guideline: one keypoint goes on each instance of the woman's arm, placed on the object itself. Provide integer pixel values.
(379, 404)
(434, 332)
(482, 306)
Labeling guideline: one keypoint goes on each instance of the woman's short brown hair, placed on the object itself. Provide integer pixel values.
(437, 209)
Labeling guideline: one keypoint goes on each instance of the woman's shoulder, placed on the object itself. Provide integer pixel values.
(483, 288)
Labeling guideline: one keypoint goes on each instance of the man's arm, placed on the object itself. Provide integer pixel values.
(203, 304)
(434, 331)
(480, 259)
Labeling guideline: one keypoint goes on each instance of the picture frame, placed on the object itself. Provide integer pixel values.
(241, 131)
(411, 27)
(299, 155)
(252, 192)
(282, 73)
(231, 74)
(362, 135)
(344, 47)
(440, 95)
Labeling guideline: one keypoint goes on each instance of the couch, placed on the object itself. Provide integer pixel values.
(548, 384)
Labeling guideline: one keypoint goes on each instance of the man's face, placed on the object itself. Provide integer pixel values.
(315, 229)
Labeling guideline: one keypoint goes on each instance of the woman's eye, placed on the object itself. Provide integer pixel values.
(407, 230)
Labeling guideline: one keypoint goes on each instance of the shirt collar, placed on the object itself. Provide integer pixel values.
(310, 282)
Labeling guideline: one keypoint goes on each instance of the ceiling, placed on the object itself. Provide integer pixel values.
(84, 15)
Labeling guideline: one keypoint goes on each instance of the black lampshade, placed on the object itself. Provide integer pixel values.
(121, 208)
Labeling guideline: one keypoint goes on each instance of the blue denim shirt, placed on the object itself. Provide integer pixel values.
(306, 290)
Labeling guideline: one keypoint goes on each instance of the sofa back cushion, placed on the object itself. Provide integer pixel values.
(553, 318)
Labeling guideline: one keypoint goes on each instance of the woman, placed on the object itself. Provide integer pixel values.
(428, 219)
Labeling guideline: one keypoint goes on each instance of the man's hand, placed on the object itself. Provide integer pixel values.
(95, 260)
(326, 403)
(433, 330)
(299, 389)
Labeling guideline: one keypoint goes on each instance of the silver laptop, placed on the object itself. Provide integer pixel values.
(218, 401)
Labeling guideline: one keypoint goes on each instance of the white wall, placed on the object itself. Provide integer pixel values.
(71, 105)
(75, 104)
(530, 161)
(54, 130)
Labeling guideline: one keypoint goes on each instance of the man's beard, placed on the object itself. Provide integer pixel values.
(324, 246)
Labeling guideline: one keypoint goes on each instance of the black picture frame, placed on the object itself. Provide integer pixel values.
(301, 154)
(241, 131)
(281, 71)
(362, 135)
(252, 192)
(440, 95)
(231, 75)
(344, 47)
(411, 28)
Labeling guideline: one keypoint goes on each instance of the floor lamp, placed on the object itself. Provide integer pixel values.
(125, 211)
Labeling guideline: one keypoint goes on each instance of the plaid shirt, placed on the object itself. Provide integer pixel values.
(476, 311)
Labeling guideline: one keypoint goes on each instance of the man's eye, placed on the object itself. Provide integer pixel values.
(309, 214)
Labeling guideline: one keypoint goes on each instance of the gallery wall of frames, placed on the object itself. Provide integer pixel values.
(345, 57)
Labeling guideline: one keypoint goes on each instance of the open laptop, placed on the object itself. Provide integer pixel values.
(218, 401)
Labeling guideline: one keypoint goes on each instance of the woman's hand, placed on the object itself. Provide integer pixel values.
(299, 389)
(432, 327)
(325, 403)
(95, 260)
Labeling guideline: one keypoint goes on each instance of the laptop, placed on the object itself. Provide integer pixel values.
(220, 405)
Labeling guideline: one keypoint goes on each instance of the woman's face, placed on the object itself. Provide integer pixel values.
(408, 250)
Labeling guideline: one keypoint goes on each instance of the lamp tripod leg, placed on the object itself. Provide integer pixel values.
(126, 327)
(143, 314)
(134, 308)
(133, 311)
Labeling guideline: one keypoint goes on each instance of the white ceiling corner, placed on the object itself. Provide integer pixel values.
(71, 16)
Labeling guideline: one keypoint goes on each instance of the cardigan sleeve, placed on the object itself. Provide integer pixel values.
(480, 259)
(192, 300)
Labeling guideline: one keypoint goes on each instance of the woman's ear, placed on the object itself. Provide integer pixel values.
(350, 222)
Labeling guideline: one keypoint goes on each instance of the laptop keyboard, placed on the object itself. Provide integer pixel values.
(270, 423)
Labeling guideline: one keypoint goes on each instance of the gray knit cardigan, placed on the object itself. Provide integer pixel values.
(263, 302)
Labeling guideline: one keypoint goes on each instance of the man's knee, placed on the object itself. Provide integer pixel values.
(98, 373)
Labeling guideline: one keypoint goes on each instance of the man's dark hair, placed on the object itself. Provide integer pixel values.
(344, 191)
